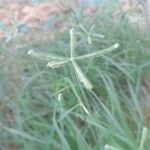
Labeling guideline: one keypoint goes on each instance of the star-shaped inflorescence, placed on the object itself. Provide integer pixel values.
(90, 34)
(55, 61)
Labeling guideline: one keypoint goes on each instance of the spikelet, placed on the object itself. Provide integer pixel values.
(108, 147)
(143, 138)
(98, 35)
(56, 64)
(82, 78)
(59, 97)
(72, 41)
(89, 39)
(44, 56)
(99, 53)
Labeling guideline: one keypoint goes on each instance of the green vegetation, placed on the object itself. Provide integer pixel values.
(50, 109)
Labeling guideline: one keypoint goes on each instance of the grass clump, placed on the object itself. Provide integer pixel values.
(53, 110)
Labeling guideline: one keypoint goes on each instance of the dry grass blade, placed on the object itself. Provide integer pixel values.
(84, 108)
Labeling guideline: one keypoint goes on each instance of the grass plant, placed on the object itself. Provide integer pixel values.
(93, 96)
